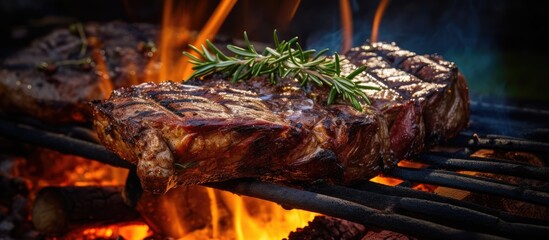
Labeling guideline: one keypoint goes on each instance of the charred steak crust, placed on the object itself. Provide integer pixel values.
(426, 95)
(358, 139)
(61, 92)
(447, 111)
(180, 134)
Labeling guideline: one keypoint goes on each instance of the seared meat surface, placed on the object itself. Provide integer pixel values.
(181, 134)
(211, 130)
(56, 76)
(424, 98)
(446, 106)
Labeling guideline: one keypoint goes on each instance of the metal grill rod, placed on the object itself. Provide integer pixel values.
(348, 210)
(518, 170)
(319, 203)
(510, 144)
(61, 143)
(471, 183)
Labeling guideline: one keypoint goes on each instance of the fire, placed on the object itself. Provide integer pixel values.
(177, 32)
(102, 69)
(258, 219)
(347, 25)
(377, 18)
(209, 30)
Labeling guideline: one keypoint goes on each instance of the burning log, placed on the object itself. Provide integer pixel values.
(174, 214)
(58, 210)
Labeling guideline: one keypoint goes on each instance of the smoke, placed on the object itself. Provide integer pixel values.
(484, 38)
(462, 31)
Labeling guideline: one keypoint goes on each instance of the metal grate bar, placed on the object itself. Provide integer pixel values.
(510, 144)
(348, 210)
(410, 212)
(61, 143)
(470, 183)
(511, 169)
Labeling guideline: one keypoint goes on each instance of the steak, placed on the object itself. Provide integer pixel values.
(180, 134)
(424, 98)
(399, 99)
(71, 74)
(446, 109)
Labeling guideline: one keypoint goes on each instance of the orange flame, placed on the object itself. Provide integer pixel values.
(347, 25)
(208, 32)
(214, 212)
(258, 219)
(105, 84)
(377, 18)
(290, 7)
(137, 231)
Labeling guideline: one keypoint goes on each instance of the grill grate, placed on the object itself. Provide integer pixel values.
(398, 208)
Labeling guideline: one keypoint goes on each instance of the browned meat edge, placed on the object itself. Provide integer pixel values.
(179, 134)
(447, 113)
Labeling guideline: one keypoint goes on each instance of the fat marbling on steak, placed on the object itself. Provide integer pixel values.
(180, 134)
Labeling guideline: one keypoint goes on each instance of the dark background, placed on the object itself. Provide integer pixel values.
(499, 45)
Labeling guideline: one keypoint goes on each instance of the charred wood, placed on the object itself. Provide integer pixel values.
(58, 210)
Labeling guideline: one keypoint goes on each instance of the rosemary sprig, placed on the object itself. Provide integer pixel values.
(286, 59)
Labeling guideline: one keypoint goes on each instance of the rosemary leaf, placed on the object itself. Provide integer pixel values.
(286, 59)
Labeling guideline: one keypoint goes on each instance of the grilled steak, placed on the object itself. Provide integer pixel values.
(400, 99)
(180, 134)
(433, 86)
(70, 74)
(446, 110)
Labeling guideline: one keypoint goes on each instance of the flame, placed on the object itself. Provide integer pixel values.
(214, 212)
(102, 71)
(208, 32)
(288, 8)
(134, 231)
(377, 18)
(346, 24)
(174, 34)
(258, 219)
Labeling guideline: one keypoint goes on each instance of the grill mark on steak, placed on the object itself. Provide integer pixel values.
(396, 100)
(439, 90)
(337, 127)
(267, 139)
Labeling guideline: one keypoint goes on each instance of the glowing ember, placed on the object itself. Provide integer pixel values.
(389, 181)
(128, 232)
(347, 25)
(411, 164)
(377, 19)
